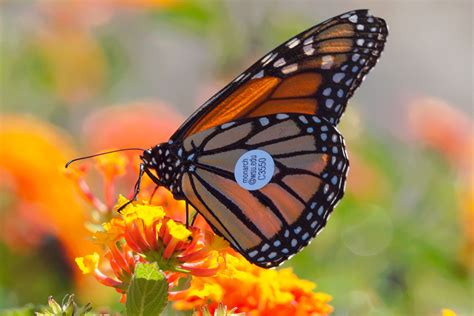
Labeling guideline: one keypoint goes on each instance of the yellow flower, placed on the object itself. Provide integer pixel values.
(178, 231)
(88, 263)
(149, 213)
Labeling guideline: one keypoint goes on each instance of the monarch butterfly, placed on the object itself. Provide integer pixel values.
(262, 160)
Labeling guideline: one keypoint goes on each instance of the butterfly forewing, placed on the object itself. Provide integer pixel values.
(315, 72)
(272, 223)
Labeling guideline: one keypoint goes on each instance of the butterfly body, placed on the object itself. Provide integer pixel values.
(262, 160)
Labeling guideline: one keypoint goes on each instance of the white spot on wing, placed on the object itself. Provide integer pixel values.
(272, 255)
(308, 50)
(258, 75)
(338, 77)
(264, 121)
(308, 41)
(353, 19)
(289, 69)
(303, 119)
(267, 59)
(253, 253)
(227, 125)
(327, 62)
(294, 42)
(239, 77)
(280, 62)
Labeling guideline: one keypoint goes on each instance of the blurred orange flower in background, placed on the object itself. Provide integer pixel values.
(32, 154)
(450, 132)
(140, 124)
(444, 128)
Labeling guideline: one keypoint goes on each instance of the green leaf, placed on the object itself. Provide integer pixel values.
(148, 291)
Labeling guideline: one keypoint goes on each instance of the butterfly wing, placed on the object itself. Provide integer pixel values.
(269, 224)
(315, 72)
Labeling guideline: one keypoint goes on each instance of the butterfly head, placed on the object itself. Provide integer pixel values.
(163, 161)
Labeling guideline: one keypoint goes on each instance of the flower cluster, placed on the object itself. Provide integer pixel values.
(254, 291)
(152, 231)
(145, 234)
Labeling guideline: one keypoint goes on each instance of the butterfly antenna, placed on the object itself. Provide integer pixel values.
(100, 154)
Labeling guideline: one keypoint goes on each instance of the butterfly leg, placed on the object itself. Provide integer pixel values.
(194, 216)
(136, 189)
(187, 215)
(153, 193)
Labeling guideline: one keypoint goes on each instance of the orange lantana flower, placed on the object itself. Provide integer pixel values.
(254, 290)
(145, 234)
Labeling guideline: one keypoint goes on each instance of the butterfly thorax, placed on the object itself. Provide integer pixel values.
(168, 163)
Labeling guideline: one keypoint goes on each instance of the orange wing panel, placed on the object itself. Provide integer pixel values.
(242, 101)
(334, 61)
(340, 30)
(302, 85)
(303, 106)
(337, 45)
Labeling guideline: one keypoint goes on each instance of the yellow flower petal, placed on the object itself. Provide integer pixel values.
(149, 213)
(178, 231)
(89, 263)
(216, 242)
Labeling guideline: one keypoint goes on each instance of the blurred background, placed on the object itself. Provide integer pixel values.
(78, 77)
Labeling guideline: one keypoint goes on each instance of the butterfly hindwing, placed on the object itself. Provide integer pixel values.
(315, 72)
(272, 223)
